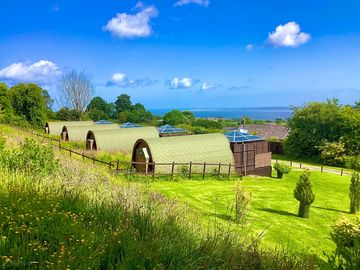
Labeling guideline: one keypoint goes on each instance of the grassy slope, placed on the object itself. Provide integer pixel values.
(273, 205)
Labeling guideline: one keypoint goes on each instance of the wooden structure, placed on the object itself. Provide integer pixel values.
(55, 128)
(197, 153)
(122, 139)
(252, 154)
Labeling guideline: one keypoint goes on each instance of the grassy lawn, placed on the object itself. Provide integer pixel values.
(273, 207)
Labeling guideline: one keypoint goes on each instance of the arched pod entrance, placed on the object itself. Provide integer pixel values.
(141, 153)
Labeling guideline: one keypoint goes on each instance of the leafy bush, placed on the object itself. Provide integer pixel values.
(281, 168)
(183, 170)
(354, 193)
(352, 162)
(304, 194)
(332, 153)
(346, 235)
(31, 157)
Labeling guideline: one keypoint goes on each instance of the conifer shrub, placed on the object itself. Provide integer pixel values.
(304, 194)
(281, 169)
(354, 193)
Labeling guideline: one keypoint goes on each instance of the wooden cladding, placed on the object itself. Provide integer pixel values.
(252, 157)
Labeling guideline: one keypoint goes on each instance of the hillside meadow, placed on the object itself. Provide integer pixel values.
(60, 213)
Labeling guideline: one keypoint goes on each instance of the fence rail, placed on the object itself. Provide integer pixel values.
(128, 168)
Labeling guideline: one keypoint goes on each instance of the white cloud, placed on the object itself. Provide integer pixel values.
(207, 86)
(249, 47)
(122, 80)
(133, 25)
(288, 35)
(204, 3)
(40, 72)
(178, 83)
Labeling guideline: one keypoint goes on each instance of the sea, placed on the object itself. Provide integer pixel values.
(256, 113)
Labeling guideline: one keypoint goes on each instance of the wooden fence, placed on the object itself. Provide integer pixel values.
(128, 168)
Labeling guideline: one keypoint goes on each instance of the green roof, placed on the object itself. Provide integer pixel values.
(55, 128)
(209, 148)
(122, 139)
(78, 133)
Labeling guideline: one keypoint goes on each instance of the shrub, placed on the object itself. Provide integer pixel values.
(304, 194)
(346, 235)
(332, 153)
(184, 171)
(281, 169)
(242, 203)
(354, 193)
(352, 162)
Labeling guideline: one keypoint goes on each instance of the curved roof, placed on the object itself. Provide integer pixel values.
(237, 136)
(129, 125)
(171, 129)
(122, 139)
(55, 128)
(78, 133)
(209, 148)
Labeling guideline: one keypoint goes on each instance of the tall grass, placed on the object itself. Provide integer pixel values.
(73, 217)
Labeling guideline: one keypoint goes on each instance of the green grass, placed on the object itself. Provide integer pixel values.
(273, 207)
(74, 217)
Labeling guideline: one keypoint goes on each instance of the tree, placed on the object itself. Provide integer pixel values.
(65, 114)
(354, 193)
(76, 90)
(5, 98)
(123, 103)
(304, 194)
(28, 101)
(99, 104)
(333, 153)
(176, 117)
(97, 115)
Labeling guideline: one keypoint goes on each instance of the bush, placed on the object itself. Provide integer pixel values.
(352, 162)
(346, 235)
(31, 157)
(281, 168)
(354, 193)
(242, 203)
(304, 194)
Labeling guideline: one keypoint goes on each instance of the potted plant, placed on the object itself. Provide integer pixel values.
(281, 169)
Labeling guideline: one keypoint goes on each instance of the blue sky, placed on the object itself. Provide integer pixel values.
(188, 53)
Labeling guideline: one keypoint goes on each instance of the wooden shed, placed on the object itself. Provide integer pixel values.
(78, 133)
(252, 154)
(55, 128)
(122, 139)
(208, 148)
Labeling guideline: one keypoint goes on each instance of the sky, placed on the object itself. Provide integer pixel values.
(188, 53)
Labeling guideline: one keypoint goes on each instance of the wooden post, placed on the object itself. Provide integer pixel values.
(172, 170)
(70, 152)
(290, 163)
(110, 165)
(204, 170)
(59, 145)
(93, 160)
(219, 169)
(83, 157)
(117, 165)
(300, 165)
(229, 171)
(322, 168)
(342, 171)
(190, 167)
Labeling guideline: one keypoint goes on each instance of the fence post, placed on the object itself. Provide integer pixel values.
(322, 168)
(342, 171)
(290, 163)
(172, 170)
(204, 170)
(117, 166)
(300, 165)
(229, 171)
(70, 152)
(59, 145)
(219, 169)
(110, 165)
(83, 157)
(93, 160)
(190, 167)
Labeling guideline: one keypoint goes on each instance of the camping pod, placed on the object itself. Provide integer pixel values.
(122, 139)
(205, 151)
(55, 128)
(78, 133)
